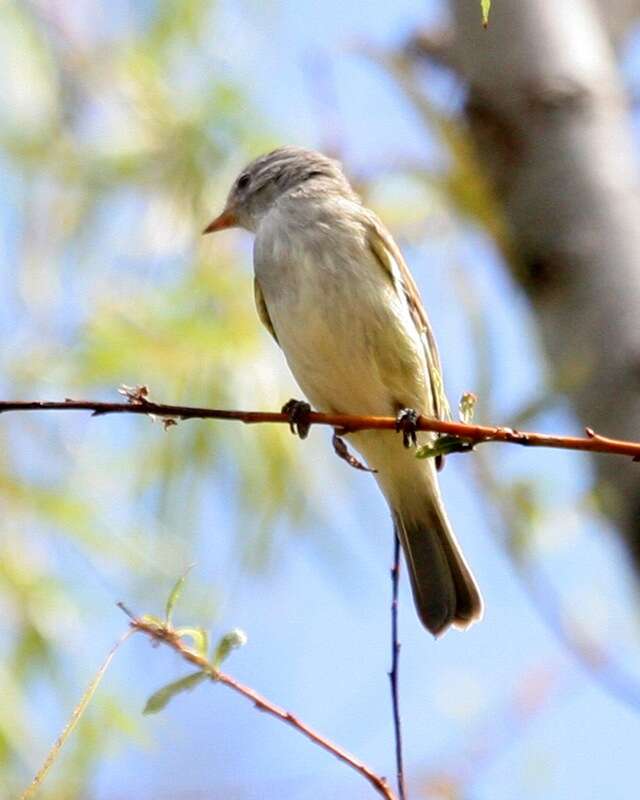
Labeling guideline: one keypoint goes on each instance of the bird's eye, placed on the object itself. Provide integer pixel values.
(243, 181)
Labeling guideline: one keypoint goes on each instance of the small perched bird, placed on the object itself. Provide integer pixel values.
(334, 291)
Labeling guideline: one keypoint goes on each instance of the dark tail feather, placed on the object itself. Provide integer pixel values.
(444, 590)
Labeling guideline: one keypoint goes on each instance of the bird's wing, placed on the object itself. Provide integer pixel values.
(263, 311)
(390, 258)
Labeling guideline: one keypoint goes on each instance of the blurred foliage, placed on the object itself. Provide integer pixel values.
(116, 143)
(119, 134)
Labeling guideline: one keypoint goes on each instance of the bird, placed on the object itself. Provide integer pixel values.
(334, 291)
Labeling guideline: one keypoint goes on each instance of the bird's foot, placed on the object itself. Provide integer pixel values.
(298, 413)
(407, 423)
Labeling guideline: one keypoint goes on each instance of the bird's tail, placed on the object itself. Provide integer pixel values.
(444, 590)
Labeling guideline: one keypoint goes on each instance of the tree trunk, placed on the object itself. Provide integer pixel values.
(548, 113)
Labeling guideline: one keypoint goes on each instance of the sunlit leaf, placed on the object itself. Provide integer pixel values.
(444, 445)
(163, 696)
(485, 6)
(175, 593)
(229, 642)
(199, 636)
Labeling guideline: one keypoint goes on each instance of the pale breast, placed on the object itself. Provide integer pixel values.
(346, 332)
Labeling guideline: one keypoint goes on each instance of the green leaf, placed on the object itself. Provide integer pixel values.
(162, 697)
(199, 636)
(485, 5)
(467, 407)
(230, 641)
(444, 445)
(175, 593)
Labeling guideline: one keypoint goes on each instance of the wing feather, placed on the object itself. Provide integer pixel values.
(263, 311)
(390, 258)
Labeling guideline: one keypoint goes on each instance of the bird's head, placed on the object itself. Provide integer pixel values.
(268, 177)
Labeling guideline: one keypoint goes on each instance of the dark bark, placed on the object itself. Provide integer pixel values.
(547, 111)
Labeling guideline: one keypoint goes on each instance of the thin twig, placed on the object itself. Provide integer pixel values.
(166, 635)
(470, 434)
(78, 711)
(395, 656)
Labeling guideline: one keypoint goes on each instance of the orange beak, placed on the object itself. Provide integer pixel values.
(225, 220)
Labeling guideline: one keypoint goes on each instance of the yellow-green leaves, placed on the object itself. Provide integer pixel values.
(198, 636)
(175, 593)
(162, 697)
(444, 443)
(485, 7)
(226, 644)
(230, 641)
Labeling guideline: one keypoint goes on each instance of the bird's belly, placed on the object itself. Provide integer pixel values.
(334, 369)
(347, 349)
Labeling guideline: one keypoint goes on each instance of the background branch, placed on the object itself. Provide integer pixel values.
(395, 657)
(164, 634)
(547, 111)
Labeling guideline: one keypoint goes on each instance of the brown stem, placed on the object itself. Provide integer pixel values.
(166, 635)
(395, 656)
(471, 434)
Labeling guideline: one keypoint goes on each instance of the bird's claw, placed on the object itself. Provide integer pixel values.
(407, 423)
(298, 413)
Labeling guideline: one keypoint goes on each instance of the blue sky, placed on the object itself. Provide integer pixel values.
(318, 627)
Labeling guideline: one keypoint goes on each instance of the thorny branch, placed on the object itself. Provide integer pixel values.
(164, 634)
(470, 435)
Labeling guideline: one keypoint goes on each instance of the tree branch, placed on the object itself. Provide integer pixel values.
(395, 656)
(470, 435)
(164, 634)
(547, 111)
